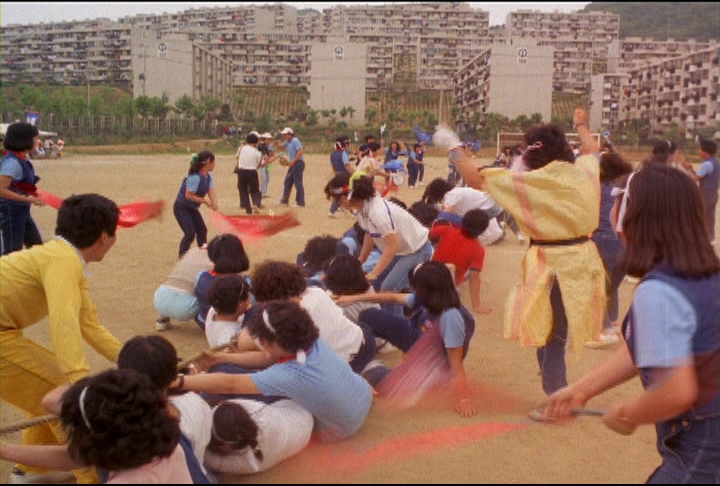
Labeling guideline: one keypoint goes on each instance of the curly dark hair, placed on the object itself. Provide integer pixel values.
(118, 420)
(273, 280)
(151, 355)
(228, 255)
(233, 430)
(289, 325)
(226, 293)
(345, 276)
(319, 250)
(82, 218)
(363, 189)
(435, 286)
(546, 143)
(658, 231)
(436, 190)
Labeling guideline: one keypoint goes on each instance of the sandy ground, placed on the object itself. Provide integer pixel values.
(427, 444)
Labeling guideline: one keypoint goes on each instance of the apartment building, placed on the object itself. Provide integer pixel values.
(510, 80)
(583, 43)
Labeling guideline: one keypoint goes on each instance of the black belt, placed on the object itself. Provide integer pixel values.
(569, 242)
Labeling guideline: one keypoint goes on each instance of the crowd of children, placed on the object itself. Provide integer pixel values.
(301, 340)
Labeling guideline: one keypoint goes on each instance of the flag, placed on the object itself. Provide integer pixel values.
(250, 227)
(130, 214)
(422, 136)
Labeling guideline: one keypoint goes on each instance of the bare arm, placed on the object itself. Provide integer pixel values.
(464, 405)
(52, 401)
(213, 199)
(367, 245)
(220, 383)
(6, 193)
(255, 359)
(45, 456)
(475, 283)
(384, 297)
(392, 243)
(617, 369)
(589, 144)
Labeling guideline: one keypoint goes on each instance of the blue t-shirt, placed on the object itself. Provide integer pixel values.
(664, 323)
(293, 146)
(451, 322)
(193, 183)
(326, 386)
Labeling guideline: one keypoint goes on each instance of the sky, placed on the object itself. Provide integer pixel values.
(37, 12)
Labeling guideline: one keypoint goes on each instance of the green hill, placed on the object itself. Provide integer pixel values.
(664, 20)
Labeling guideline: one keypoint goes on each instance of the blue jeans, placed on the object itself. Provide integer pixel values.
(395, 276)
(412, 169)
(264, 179)
(366, 352)
(400, 332)
(192, 225)
(551, 357)
(690, 450)
(294, 177)
(18, 227)
(611, 251)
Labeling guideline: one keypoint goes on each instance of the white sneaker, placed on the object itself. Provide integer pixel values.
(162, 324)
(18, 476)
(332, 215)
(607, 339)
(521, 238)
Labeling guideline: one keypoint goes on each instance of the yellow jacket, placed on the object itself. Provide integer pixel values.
(49, 281)
(560, 201)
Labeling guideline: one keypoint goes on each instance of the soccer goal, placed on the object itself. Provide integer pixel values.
(505, 139)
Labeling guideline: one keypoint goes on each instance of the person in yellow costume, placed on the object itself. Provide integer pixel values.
(49, 281)
(555, 199)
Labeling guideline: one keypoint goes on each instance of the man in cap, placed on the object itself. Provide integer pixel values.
(296, 167)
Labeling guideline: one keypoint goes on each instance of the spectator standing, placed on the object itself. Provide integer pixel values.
(17, 189)
(708, 177)
(249, 161)
(340, 163)
(296, 168)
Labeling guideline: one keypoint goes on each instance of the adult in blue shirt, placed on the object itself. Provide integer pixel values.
(296, 167)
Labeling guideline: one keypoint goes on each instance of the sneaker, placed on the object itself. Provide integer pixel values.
(256, 210)
(18, 476)
(608, 338)
(521, 239)
(162, 324)
(421, 183)
(282, 203)
(332, 215)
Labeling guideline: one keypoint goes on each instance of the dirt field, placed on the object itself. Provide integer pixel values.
(429, 444)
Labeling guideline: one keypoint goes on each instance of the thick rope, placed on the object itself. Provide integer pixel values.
(45, 419)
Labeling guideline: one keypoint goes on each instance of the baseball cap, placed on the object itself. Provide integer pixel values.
(266, 135)
(254, 133)
(287, 130)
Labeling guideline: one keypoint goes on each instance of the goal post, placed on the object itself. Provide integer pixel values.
(505, 139)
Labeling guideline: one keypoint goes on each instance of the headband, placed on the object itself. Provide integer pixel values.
(81, 401)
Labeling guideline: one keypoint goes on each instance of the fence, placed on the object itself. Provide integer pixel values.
(79, 128)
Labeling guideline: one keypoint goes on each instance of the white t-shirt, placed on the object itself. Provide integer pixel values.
(460, 200)
(221, 332)
(340, 333)
(249, 157)
(195, 421)
(284, 429)
(379, 218)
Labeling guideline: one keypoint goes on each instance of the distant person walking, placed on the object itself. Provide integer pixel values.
(296, 168)
(248, 181)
